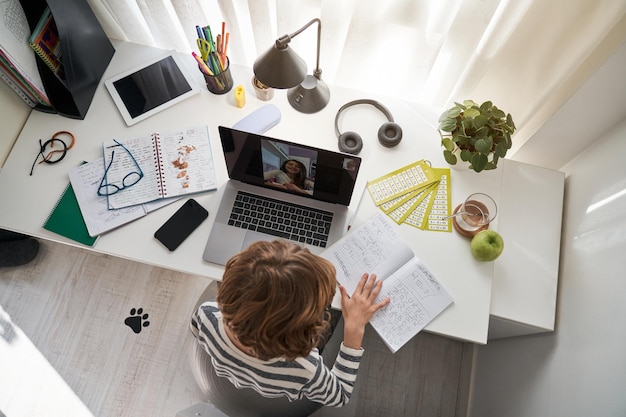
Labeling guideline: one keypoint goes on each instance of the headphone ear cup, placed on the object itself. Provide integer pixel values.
(390, 134)
(350, 142)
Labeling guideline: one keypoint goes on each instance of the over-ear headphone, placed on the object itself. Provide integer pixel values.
(389, 134)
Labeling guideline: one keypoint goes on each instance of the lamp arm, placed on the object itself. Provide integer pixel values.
(282, 42)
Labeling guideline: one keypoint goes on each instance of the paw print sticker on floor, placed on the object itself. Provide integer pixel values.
(137, 320)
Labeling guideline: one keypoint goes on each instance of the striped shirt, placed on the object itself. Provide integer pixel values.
(303, 377)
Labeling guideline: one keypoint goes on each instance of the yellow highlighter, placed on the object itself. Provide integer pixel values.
(240, 96)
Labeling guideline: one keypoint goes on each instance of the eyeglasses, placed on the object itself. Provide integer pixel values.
(50, 155)
(128, 180)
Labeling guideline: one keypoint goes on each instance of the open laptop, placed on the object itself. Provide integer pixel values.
(280, 190)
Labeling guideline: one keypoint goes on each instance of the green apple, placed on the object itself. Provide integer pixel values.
(487, 245)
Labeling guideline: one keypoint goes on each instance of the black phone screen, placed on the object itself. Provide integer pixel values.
(178, 227)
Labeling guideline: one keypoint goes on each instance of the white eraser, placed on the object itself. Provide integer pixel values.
(259, 121)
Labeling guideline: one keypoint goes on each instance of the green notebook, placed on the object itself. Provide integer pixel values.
(67, 220)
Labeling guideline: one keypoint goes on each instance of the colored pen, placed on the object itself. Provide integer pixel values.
(207, 34)
(209, 38)
(225, 47)
(223, 35)
(203, 65)
(222, 64)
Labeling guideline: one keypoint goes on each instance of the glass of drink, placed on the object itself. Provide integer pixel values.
(476, 212)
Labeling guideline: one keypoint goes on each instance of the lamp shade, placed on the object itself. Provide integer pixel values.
(280, 68)
(309, 97)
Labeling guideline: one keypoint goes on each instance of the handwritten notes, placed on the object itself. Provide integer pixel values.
(156, 166)
(85, 180)
(417, 297)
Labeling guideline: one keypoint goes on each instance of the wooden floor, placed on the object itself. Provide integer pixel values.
(85, 334)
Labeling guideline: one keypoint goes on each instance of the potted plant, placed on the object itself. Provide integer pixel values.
(478, 134)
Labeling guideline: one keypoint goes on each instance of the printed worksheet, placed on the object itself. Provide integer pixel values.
(417, 297)
(400, 182)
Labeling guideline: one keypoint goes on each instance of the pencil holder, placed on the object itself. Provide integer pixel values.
(220, 83)
(263, 92)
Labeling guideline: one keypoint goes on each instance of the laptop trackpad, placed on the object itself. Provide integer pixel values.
(226, 241)
(252, 237)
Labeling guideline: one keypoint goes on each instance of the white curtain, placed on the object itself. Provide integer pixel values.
(520, 54)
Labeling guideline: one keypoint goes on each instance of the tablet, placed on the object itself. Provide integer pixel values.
(153, 86)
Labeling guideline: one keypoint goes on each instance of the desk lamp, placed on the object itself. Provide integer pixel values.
(281, 67)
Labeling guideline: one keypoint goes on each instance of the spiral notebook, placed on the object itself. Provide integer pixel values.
(66, 219)
(156, 166)
(46, 43)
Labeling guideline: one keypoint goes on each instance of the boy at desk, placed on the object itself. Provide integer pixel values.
(270, 315)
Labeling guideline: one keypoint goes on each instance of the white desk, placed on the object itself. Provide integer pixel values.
(27, 200)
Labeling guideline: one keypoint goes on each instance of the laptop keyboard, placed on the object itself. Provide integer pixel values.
(278, 218)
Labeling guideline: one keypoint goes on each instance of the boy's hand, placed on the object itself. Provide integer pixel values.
(359, 309)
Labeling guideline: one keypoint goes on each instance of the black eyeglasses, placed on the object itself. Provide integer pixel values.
(50, 155)
(128, 180)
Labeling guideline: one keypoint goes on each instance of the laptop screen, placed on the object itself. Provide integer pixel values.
(289, 167)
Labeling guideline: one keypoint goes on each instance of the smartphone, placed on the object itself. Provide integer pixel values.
(178, 227)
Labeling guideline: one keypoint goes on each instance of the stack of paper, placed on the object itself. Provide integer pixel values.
(416, 194)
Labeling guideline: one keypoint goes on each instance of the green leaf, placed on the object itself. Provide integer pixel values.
(480, 121)
(484, 145)
(449, 157)
(451, 113)
(509, 122)
(471, 113)
(469, 103)
(462, 140)
(500, 150)
(447, 125)
(465, 155)
(507, 141)
(466, 125)
(490, 165)
(497, 113)
(486, 106)
(483, 132)
(448, 144)
(479, 162)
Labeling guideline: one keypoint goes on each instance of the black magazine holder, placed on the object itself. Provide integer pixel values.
(85, 52)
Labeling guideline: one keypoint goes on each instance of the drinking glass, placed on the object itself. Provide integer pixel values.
(476, 212)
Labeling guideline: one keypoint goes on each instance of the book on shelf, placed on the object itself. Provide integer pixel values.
(156, 166)
(46, 43)
(417, 297)
(85, 180)
(65, 219)
(17, 58)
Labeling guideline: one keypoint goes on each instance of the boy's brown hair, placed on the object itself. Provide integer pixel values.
(273, 296)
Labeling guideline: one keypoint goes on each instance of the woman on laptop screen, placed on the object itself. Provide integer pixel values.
(291, 176)
(263, 332)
